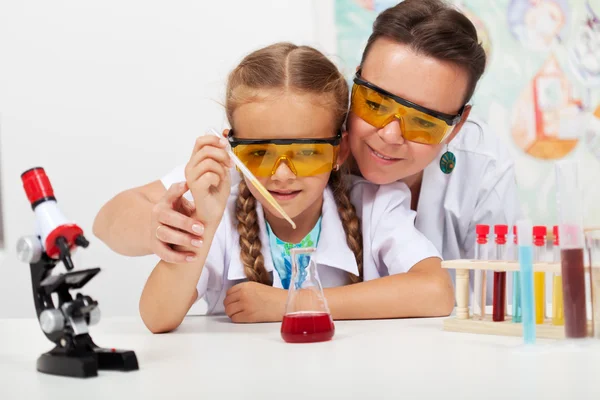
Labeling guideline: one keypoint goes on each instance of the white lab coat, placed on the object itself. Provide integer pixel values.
(482, 189)
(391, 243)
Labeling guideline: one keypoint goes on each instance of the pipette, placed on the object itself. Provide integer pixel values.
(246, 172)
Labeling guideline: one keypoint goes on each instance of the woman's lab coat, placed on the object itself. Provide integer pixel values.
(482, 189)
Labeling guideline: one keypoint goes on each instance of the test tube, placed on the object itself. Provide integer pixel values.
(499, 303)
(517, 311)
(539, 278)
(593, 245)
(526, 270)
(570, 230)
(558, 312)
(479, 289)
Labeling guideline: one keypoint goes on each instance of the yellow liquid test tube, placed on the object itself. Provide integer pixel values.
(539, 290)
(539, 278)
(558, 311)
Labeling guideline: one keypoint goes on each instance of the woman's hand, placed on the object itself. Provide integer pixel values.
(172, 224)
(208, 177)
(255, 302)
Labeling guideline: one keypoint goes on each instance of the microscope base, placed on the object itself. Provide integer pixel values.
(86, 363)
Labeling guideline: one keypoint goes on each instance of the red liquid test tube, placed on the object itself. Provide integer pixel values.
(499, 299)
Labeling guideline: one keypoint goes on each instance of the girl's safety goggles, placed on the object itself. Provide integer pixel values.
(378, 107)
(304, 157)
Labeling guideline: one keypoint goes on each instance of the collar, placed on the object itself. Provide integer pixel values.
(332, 249)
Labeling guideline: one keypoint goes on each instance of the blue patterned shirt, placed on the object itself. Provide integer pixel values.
(282, 259)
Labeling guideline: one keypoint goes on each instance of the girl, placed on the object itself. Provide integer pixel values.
(286, 106)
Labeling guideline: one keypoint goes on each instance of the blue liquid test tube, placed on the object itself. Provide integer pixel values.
(525, 241)
(517, 311)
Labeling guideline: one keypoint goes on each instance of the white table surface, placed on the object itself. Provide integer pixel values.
(212, 358)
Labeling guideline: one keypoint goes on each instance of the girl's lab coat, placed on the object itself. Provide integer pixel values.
(391, 243)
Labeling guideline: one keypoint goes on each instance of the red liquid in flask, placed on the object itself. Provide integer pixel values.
(307, 327)
(574, 293)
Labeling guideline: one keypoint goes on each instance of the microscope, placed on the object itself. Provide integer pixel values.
(64, 319)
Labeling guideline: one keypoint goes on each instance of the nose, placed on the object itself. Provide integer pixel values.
(391, 133)
(283, 170)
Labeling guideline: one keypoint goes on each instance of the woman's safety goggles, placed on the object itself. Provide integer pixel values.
(378, 107)
(304, 157)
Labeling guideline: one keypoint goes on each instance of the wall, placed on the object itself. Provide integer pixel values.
(109, 95)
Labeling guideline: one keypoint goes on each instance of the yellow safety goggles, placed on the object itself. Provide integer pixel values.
(378, 107)
(304, 157)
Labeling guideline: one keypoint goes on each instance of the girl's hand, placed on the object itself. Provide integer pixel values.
(255, 302)
(207, 176)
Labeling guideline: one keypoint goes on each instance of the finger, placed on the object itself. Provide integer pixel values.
(208, 180)
(215, 153)
(208, 140)
(241, 317)
(232, 298)
(234, 289)
(205, 167)
(234, 309)
(188, 206)
(169, 255)
(175, 192)
(172, 236)
(174, 219)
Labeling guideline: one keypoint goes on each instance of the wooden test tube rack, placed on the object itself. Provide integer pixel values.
(462, 321)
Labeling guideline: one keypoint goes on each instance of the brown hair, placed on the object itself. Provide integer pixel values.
(286, 67)
(434, 29)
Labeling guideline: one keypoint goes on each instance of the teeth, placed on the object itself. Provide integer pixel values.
(382, 156)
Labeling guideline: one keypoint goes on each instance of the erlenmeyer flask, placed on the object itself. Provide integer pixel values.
(307, 317)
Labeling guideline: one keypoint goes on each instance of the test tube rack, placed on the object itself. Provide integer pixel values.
(463, 321)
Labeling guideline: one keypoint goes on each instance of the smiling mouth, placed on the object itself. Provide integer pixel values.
(284, 194)
(383, 157)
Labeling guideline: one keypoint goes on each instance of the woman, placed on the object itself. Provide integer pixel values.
(409, 121)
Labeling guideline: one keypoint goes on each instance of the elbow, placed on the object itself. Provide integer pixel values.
(98, 227)
(156, 324)
(442, 293)
(158, 328)
(155, 320)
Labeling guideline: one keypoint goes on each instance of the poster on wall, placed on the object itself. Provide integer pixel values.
(540, 92)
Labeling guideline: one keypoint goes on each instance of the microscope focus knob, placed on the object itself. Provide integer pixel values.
(29, 249)
(51, 321)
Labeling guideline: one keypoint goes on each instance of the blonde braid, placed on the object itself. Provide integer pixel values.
(350, 220)
(248, 229)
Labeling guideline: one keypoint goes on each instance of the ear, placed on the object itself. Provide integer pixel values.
(460, 124)
(357, 68)
(226, 133)
(344, 151)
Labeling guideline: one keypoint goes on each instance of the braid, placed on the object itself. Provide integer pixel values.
(350, 220)
(248, 229)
